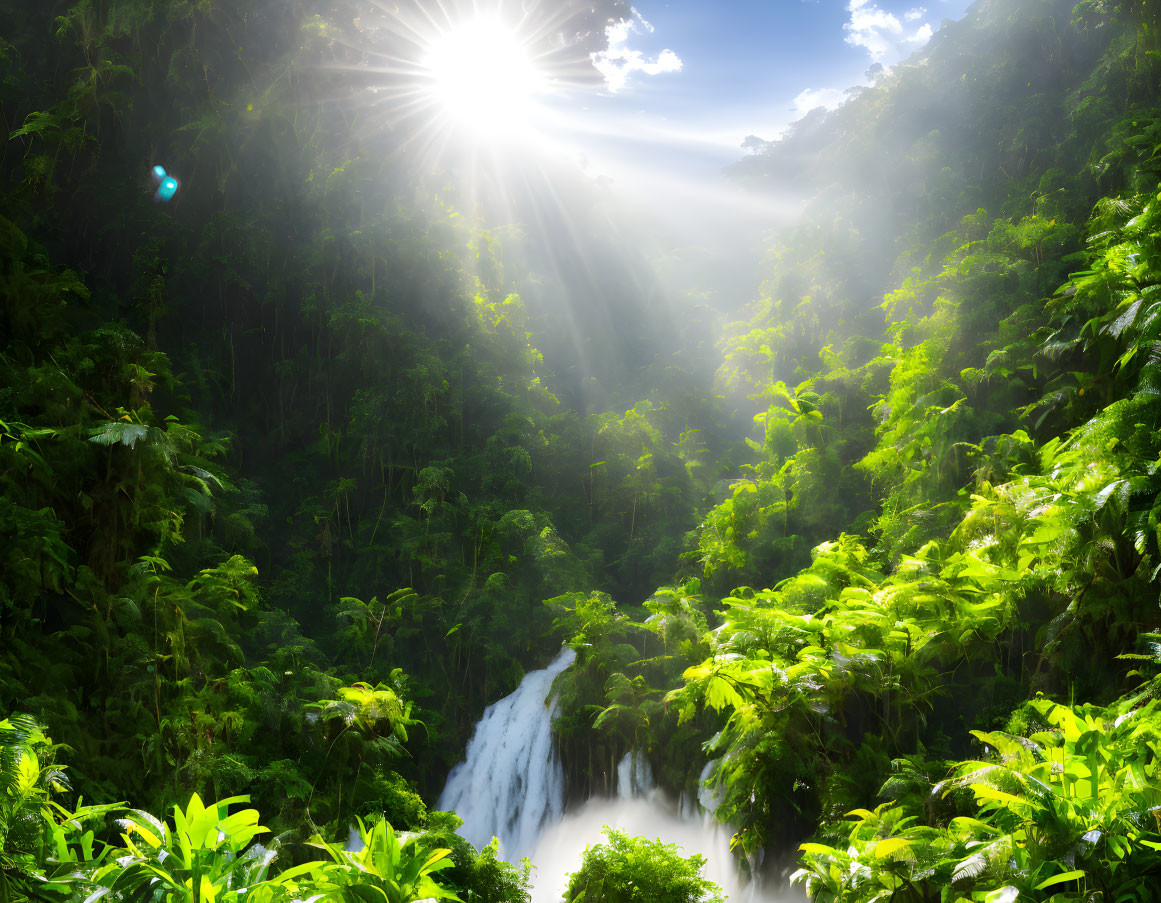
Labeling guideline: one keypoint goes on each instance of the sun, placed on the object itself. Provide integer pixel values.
(482, 78)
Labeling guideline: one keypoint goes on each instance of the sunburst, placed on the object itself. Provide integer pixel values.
(482, 77)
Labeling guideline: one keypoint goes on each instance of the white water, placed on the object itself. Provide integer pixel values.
(640, 809)
(634, 776)
(511, 784)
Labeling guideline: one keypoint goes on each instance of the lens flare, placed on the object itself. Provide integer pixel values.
(166, 184)
(482, 77)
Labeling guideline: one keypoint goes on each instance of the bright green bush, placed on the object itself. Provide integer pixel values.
(638, 870)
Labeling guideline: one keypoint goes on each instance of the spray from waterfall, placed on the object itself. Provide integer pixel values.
(642, 809)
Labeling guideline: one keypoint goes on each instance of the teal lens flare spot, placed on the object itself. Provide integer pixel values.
(167, 188)
(159, 172)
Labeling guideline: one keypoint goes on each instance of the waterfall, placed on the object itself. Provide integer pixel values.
(634, 777)
(511, 784)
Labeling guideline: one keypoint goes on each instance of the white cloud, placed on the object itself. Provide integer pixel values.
(812, 98)
(618, 61)
(881, 33)
(885, 38)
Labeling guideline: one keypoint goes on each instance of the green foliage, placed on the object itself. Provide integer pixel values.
(1058, 809)
(1009, 464)
(385, 868)
(637, 869)
(206, 852)
(836, 648)
(27, 779)
(477, 876)
(610, 700)
(206, 855)
(41, 842)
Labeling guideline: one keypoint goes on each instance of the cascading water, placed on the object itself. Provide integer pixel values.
(511, 784)
(634, 777)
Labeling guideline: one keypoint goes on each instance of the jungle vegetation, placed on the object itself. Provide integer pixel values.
(297, 475)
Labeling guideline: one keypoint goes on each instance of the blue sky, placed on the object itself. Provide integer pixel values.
(748, 67)
(684, 86)
(640, 157)
(684, 83)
